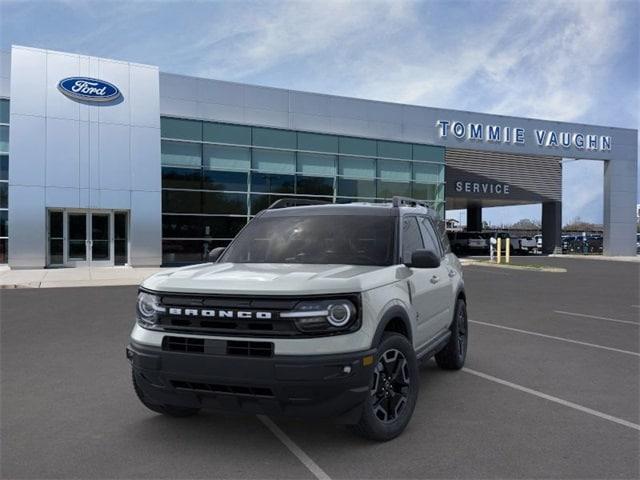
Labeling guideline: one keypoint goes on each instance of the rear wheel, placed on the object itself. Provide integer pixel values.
(170, 410)
(393, 390)
(453, 355)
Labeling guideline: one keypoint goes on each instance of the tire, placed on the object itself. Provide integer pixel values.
(169, 410)
(454, 353)
(393, 392)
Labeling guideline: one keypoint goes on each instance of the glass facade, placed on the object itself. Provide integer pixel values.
(4, 180)
(216, 176)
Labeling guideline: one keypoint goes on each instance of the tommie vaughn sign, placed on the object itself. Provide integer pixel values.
(478, 132)
(88, 89)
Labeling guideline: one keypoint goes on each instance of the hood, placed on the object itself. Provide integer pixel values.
(269, 278)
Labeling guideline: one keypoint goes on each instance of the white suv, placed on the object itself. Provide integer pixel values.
(320, 310)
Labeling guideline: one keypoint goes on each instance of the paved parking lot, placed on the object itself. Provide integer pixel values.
(551, 390)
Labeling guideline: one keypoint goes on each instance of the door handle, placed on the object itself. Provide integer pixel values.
(435, 279)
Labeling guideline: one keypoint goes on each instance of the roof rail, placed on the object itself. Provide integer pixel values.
(409, 202)
(295, 202)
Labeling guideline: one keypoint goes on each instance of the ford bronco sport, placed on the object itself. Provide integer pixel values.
(321, 310)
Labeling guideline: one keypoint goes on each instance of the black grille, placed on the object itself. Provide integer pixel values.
(183, 344)
(224, 389)
(250, 349)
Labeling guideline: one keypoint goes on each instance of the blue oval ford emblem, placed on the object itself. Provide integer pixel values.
(89, 89)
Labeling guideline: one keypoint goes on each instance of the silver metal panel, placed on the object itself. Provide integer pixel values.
(27, 142)
(28, 229)
(63, 153)
(180, 87)
(28, 81)
(145, 155)
(59, 66)
(264, 98)
(144, 97)
(118, 74)
(224, 113)
(146, 228)
(114, 156)
(223, 93)
(83, 152)
(62, 197)
(269, 118)
(115, 199)
(310, 103)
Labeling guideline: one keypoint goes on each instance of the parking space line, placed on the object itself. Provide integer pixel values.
(295, 449)
(562, 339)
(608, 319)
(551, 398)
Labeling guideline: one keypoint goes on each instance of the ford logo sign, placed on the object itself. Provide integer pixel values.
(89, 89)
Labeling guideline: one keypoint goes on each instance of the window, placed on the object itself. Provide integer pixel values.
(227, 158)
(316, 164)
(224, 133)
(431, 241)
(394, 171)
(271, 137)
(317, 143)
(182, 129)
(181, 154)
(358, 146)
(4, 139)
(314, 185)
(274, 161)
(272, 183)
(182, 252)
(411, 238)
(4, 223)
(4, 167)
(4, 195)
(4, 111)
(339, 239)
(193, 226)
(423, 191)
(427, 172)
(176, 201)
(390, 189)
(394, 150)
(348, 187)
(357, 167)
(428, 153)
(120, 245)
(190, 178)
(215, 202)
(216, 180)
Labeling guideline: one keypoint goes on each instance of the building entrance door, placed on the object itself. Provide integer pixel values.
(87, 238)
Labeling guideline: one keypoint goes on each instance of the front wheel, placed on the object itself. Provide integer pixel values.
(393, 390)
(453, 355)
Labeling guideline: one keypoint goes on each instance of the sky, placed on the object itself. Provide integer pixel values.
(558, 60)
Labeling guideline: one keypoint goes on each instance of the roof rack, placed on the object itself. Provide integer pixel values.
(409, 202)
(295, 202)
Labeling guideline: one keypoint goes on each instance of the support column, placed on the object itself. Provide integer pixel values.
(551, 227)
(474, 218)
(620, 198)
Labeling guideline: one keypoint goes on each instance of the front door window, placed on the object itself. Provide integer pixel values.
(77, 236)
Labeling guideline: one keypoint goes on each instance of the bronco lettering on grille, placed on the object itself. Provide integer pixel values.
(194, 312)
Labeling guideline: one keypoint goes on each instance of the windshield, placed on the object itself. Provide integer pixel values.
(323, 239)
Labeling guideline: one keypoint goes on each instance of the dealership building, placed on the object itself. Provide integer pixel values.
(107, 162)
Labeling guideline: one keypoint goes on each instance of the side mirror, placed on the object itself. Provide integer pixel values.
(215, 254)
(424, 259)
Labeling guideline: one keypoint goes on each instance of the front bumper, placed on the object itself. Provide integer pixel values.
(291, 385)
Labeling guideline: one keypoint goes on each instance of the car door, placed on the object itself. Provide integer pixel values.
(425, 284)
(433, 241)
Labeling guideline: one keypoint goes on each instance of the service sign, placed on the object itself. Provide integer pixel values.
(88, 89)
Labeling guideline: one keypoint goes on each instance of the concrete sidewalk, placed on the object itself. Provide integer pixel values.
(73, 277)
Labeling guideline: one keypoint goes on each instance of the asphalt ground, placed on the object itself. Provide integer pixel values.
(543, 395)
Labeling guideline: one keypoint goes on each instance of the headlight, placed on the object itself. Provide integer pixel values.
(324, 316)
(147, 309)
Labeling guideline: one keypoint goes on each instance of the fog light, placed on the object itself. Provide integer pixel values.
(368, 360)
